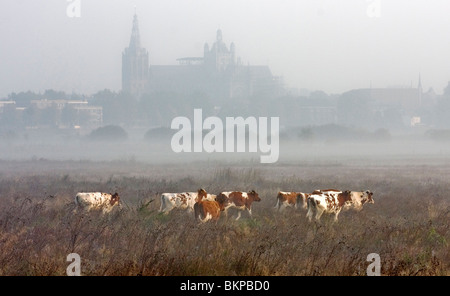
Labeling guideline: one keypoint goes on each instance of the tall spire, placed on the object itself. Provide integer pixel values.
(135, 40)
(135, 63)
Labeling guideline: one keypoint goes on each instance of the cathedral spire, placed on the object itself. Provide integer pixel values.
(135, 63)
(135, 40)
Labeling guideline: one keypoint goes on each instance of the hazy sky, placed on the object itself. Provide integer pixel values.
(329, 45)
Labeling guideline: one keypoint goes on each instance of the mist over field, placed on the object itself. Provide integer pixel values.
(413, 149)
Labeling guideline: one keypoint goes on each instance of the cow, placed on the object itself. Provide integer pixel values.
(359, 198)
(239, 200)
(291, 199)
(333, 201)
(206, 209)
(319, 191)
(97, 200)
(183, 200)
(328, 202)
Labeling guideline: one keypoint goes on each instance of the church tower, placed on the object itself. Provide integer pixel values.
(219, 58)
(135, 65)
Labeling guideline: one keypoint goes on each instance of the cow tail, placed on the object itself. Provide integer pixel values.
(277, 205)
(312, 206)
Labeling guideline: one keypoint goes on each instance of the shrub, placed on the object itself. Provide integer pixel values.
(108, 133)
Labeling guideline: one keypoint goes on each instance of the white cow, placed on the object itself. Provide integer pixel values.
(359, 198)
(97, 200)
(183, 200)
(327, 201)
(333, 201)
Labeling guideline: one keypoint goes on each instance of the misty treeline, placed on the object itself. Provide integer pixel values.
(317, 113)
(158, 109)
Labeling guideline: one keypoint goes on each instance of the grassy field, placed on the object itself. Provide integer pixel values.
(408, 226)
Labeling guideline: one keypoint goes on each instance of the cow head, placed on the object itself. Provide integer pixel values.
(367, 197)
(222, 200)
(253, 195)
(201, 194)
(115, 198)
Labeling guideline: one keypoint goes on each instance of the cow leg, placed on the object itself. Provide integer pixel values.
(166, 211)
(318, 214)
(336, 216)
(309, 215)
(163, 205)
(239, 215)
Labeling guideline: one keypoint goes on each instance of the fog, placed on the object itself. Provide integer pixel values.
(327, 45)
(353, 81)
(412, 150)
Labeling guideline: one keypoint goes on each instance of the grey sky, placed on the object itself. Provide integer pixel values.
(329, 45)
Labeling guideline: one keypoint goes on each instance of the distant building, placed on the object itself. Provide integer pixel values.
(406, 99)
(135, 63)
(88, 116)
(219, 73)
(381, 107)
(67, 113)
(5, 105)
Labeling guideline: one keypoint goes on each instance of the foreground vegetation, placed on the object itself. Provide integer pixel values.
(408, 226)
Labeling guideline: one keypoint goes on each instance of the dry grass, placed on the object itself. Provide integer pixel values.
(408, 226)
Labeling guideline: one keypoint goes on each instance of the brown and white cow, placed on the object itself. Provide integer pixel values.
(333, 201)
(97, 200)
(205, 209)
(239, 200)
(183, 200)
(319, 191)
(359, 198)
(291, 199)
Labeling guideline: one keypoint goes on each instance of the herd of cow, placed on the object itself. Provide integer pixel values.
(210, 206)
